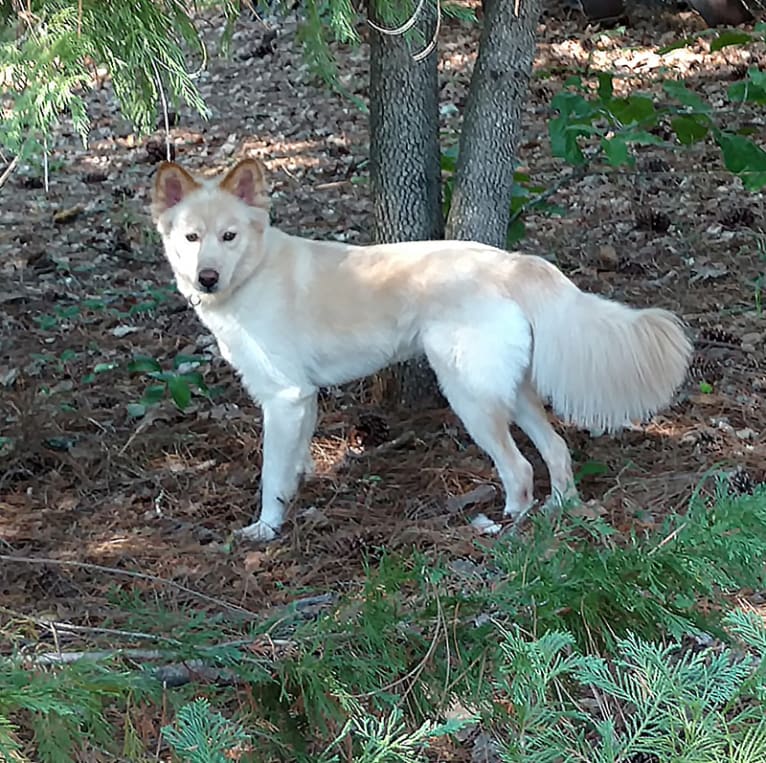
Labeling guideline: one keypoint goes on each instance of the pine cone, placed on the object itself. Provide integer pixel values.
(705, 369)
(95, 177)
(122, 192)
(650, 219)
(741, 482)
(716, 334)
(738, 217)
(156, 152)
(370, 431)
(30, 182)
(656, 164)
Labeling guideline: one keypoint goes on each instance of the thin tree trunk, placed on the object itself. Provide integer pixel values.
(405, 167)
(489, 140)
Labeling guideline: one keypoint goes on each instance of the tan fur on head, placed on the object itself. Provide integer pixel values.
(171, 185)
(247, 181)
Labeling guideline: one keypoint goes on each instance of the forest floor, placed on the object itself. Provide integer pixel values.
(87, 289)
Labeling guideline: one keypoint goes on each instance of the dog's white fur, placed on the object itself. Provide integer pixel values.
(501, 330)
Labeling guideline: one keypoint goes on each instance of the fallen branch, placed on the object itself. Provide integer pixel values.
(195, 670)
(68, 658)
(173, 674)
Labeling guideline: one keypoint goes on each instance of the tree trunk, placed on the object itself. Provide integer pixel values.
(405, 166)
(489, 140)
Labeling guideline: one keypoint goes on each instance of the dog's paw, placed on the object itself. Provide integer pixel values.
(557, 500)
(485, 526)
(516, 513)
(258, 532)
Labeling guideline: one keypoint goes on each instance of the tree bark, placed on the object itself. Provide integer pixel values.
(490, 137)
(405, 166)
(405, 169)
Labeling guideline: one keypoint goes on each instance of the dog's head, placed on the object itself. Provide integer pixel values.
(212, 230)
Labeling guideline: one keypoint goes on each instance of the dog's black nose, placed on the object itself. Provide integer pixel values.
(208, 278)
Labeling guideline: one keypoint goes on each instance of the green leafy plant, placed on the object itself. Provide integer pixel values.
(390, 739)
(648, 584)
(178, 384)
(63, 708)
(526, 196)
(524, 640)
(609, 127)
(654, 700)
(201, 735)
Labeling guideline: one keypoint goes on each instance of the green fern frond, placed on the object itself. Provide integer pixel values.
(9, 744)
(202, 735)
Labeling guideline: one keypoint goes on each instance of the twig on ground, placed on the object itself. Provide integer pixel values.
(56, 626)
(403, 439)
(173, 674)
(9, 170)
(130, 574)
(667, 539)
(68, 658)
(708, 343)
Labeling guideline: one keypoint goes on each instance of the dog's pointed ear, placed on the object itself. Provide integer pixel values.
(171, 185)
(247, 181)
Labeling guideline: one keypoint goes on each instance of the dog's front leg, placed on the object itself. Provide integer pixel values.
(288, 423)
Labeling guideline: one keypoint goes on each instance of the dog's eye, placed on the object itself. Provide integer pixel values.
(192, 237)
(230, 235)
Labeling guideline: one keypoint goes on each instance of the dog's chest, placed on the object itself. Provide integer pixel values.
(264, 362)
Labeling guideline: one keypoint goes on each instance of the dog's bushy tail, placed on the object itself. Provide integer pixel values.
(601, 363)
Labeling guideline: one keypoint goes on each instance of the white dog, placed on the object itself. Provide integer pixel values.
(501, 330)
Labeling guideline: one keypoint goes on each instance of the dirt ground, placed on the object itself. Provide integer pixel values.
(86, 290)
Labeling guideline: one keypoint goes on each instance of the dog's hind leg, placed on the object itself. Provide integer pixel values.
(480, 360)
(488, 423)
(288, 423)
(532, 418)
